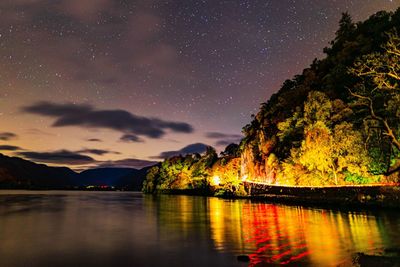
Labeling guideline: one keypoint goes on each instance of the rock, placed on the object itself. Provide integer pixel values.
(365, 260)
(243, 258)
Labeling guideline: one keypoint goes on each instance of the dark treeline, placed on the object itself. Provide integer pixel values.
(17, 173)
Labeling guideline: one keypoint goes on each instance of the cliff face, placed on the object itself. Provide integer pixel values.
(257, 162)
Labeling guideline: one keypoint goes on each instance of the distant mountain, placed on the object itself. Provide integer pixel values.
(19, 173)
(126, 178)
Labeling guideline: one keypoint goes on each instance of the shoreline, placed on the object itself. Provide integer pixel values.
(349, 197)
(369, 196)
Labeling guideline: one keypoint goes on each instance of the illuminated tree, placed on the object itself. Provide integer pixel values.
(229, 183)
(316, 151)
(150, 183)
(331, 148)
(378, 93)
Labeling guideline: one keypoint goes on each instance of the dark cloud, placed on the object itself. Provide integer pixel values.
(127, 163)
(58, 157)
(94, 140)
(99, 152)
(224, 139)
(130, 138)
(66, 157)
(6, 136)
(9, 148)
(218, 135)
(189, 149)
(119, 120)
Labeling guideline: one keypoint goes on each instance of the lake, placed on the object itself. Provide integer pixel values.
(73, 228)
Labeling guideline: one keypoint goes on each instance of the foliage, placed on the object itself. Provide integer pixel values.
(232, 150)
(313, 126)
(229, 177)
(330, 146)
(149, 185)
(338, 122)
(196, 172)
(378, 95)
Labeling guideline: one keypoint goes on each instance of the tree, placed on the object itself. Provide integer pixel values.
(346, 27)
(232, 150)
(150, 183)
(378, 92)
(344, 35)
(331, 147)
(228, 176)
(316, 151)
(210, 157)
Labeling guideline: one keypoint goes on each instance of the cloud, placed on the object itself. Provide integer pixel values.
(130, 138)
(127, 163)
(224, 139)
(189, 149)
(218, 135)
(98, 152)
(58, 157)
(94, 140)
(9, 148)
(66, 157)
(119, 120)
(6, 136)
(79, 43)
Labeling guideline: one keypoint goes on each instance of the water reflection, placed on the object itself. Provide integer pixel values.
(277, 234)
(127, 229)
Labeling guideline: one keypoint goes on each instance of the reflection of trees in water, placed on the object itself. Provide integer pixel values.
(281, 234)
(179, 217)
(271, 234)
(274, 234)
(226, 224)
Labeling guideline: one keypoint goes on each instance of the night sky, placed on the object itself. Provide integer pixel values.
(121, 83)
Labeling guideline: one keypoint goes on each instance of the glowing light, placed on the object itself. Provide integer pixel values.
(216, 180)
(244, 177)
(320, 186)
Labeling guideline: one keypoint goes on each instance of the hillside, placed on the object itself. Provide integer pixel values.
(127, 178)
(337, 123)
(327, 125)
(19, 173)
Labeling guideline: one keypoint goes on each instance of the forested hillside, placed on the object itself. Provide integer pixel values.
(336, 123)
(18, 173)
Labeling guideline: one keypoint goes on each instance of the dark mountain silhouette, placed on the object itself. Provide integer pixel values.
(128, 178)
(17, 173)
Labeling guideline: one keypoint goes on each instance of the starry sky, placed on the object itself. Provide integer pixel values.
(88, 83)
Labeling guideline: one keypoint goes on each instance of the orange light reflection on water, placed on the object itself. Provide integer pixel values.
(278, 234)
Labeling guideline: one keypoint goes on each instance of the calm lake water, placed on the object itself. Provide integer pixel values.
(58, 228)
